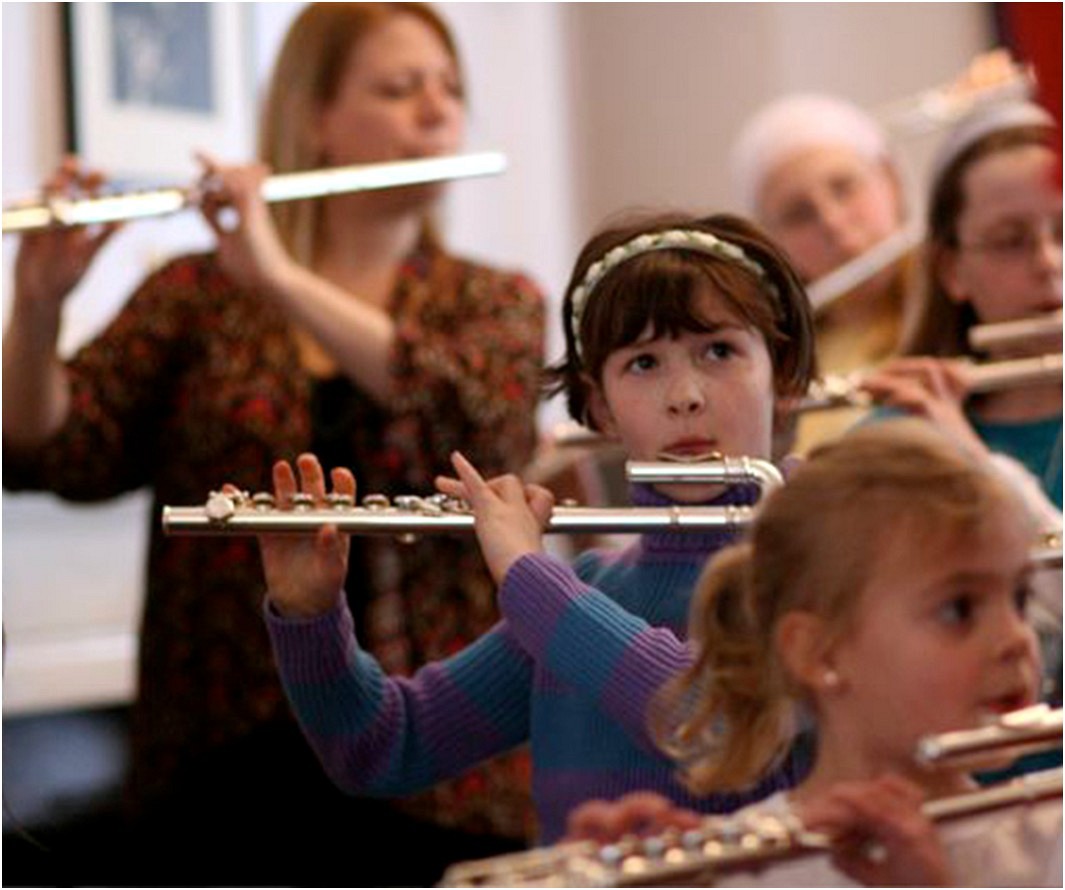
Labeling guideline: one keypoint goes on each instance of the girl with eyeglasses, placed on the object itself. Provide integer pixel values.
(993, 254)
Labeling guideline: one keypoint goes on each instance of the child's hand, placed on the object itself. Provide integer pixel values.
(305, 573)
(931, 388)
(510, 515)
(882, 837)
(642, 813)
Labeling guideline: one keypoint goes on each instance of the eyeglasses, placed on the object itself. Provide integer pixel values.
(1019, 242)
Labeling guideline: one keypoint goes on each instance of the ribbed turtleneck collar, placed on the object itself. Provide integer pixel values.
(674, 542)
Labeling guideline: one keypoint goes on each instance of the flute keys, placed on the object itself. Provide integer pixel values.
(263, 501)
(411, 503)
(302, 501)
(340, 501)
(447, 503)
(376, 502)
(430, 507)
(219, 507)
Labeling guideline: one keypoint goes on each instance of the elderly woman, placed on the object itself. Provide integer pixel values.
(815, 171)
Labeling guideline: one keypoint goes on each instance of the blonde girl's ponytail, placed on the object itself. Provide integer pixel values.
(813, 548)
(728, 718)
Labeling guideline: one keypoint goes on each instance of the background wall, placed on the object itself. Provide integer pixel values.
(599, 107)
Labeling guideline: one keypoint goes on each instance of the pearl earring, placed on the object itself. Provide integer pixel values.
(830, 679)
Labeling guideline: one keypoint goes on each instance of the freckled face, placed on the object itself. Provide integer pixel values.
(690, 395)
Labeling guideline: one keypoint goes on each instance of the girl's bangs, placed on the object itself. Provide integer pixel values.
(660, 294)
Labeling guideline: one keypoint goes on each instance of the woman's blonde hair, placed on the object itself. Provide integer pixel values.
(734, 714)
(306, 77)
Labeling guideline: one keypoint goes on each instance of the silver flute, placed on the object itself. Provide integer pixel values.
(1014, 333)
(723, 844)
(411, 515)
(830, 287)
(720, 845)
(835, 391)
(1032, 728)
(58, 211)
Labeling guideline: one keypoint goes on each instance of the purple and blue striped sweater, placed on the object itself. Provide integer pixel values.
(571, 668)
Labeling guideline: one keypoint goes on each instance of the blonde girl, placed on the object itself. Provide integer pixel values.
(882, 594)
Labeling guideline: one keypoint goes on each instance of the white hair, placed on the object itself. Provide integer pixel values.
(792, 124)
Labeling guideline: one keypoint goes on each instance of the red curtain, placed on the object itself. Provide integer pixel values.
(1032, 31)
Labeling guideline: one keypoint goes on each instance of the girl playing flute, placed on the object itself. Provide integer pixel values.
(684, 336)
(883, 590)
(993, 255)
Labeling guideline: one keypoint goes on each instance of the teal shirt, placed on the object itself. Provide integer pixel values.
(1036, 444)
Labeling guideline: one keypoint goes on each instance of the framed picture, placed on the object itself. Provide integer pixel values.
(150, 83)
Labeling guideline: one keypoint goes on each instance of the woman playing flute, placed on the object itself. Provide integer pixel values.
(342, 326)
(816, 171)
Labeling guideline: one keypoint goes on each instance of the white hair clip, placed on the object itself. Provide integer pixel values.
(670, 239)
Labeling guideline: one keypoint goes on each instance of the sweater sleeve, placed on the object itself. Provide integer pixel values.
(586, 639)
(377, 735)
(118, 395)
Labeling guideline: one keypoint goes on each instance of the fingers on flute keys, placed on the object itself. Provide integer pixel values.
(226, 192)
(311, 480)
(471, 486)
(881, 836)
(640, 813)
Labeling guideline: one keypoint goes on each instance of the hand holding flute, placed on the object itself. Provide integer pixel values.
(48, 266)
(879, 835)
(934, 389)
(305, 573)
(509, 515)
(51, 263)
(248, 245)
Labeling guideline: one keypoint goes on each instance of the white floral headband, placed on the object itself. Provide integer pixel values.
(670, 239)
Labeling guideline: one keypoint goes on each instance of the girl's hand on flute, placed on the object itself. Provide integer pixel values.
(935, 389)
(510, 516)
(51, 262)
(881, 836)
(641, 813)
(305, 573)
(249, 247)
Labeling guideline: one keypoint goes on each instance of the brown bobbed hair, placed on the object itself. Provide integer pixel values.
(306, 79)
(940, 324)
(660, 288)
(813, 547)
